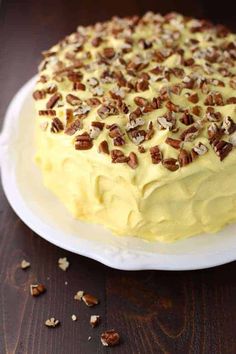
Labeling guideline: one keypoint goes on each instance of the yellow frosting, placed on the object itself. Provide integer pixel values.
(149, 201)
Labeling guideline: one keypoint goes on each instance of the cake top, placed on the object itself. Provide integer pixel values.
(154, 87)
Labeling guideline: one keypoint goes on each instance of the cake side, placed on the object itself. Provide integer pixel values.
(136, 125)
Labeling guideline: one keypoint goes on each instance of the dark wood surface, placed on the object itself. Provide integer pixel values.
(154, 311)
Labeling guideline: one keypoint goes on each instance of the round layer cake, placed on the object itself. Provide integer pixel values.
(136, 125)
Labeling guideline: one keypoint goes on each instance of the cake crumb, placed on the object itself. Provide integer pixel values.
(94, 320)
(63, 263)
(89, 338)
(24, 264)
(78, 296)
(74, 318)
(52, 322)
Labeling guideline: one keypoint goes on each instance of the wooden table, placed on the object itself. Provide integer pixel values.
(154, 311)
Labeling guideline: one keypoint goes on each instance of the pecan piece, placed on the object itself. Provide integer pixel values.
(222, 148)
(190, 133)
(90, 300)
(200, 149)
(56, 125)
(117, 156)
(37, 289)
(93, 102)
(213, 116)
(172, 107)
(196, 110)
(187, 119)
(79, 86)
(214, 131)
(184, 158)
(103, 147)
(83, 142)
(114, 130)
(137, 136)
(140, 101)
(168, 121)
(231, 100)
(228, 126)
(119, 141)
(142, 85)
(193, 97)
(156, 154)
(141, 149)
(171, 164)
(47, 112)
(96, 41)
(175, 143)
(39, 94)
(95, 320)
(53, 100)
(107, 110)
(73, 100)
(110, 338)
(214, 99)
(97, 124)
(109, 52)
(73, 127)
(133, 160)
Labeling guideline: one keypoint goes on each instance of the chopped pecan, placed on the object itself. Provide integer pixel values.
(39, 94)
(73, 100)
(190, 133)
(142, 85)
(96, 41)
(193, 97)
(187, 119)
(93, 102)
(175, 143)
(79, 86)
(37, 289)
(53, 100)
(135, 114)
(141, 149)
(94, 320)
(110, 338)
(188, 82)
(47, 112)
(167, 121)
(90, 300)
(103, 147)
(69, 115)
(156, 154)
(150, 131)
(228, 126)
(213, 116)
(214, 131)
(137, 136)
(74, 76)
(83, 142)
(56, 125)
(133, 160)
(196, 110)
(93, 82)
(231, 100)
(119, 141)
(117, 156)
(52, 88)
(109, 52)
(232, 83)
(222, 148)
(171, 164)
(73, 127)
(172, 107)
(97, 124)
(214, 99)
(107, 110)
(184, 158)
(140, 101)
(114, 130)
(200, 149)
(176, 89)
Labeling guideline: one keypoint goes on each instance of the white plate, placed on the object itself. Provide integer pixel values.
(44, 214)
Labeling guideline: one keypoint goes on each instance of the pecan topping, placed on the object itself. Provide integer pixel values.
(141, 149)
(39, 94)
(190, 133)
(172, 107)
(196, 110)
(150, 131)
(114, 131)
(98, 125)
(171, 164)
(133, 160)
(110, 338)
(168, 121)
(107, 110)
(137, 136)
(47, 112)
(214, 131)
(175, 143)
(156, 154)
(117, 156)
(79, 86)
(200, 149)
(53, 100)
(184, 158)
(93, 102)
(222, 148)
(140, 101)
(37, 289)
(231, 100)
(74, 76)
(73, 127)
(103, 147)
(56, 125)
(109, 53)
(187, 119)
(73, 100)
(83, 142)
(142, 85)
(90, 300)
(214, 99)
(213, 116)
(96, 41)
(228, 126)
(193, 97)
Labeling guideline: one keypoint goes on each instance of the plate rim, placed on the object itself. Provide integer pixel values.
(163, 262)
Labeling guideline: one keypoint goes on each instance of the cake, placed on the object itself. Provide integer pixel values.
(136, 125)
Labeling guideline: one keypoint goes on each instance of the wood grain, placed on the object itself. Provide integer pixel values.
(154, 312)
